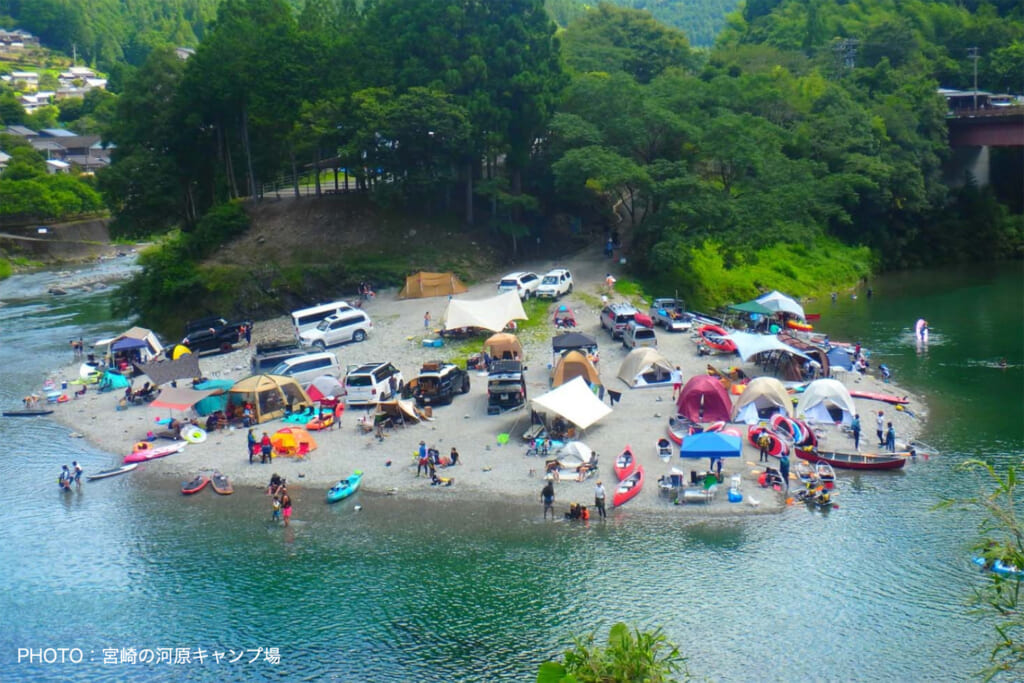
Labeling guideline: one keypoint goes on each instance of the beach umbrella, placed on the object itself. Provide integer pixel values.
(779, 302)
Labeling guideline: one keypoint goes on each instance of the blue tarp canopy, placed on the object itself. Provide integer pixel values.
(128, 344)
(212, 404)
(711, 445)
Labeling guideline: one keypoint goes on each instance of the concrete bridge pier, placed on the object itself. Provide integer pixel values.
(965, 162)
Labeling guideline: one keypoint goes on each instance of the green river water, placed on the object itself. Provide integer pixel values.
(127, 569)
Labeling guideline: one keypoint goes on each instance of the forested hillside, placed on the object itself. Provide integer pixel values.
(803, 150)
(700, 20)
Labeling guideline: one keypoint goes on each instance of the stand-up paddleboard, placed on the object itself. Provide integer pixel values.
(221, 484)
(196, 485)
(154, 453)
(103, 474)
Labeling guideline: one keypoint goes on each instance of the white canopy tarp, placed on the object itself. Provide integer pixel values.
(749, 345)
(489, 314)
(575, 402)
(777, 301)
(814, 402)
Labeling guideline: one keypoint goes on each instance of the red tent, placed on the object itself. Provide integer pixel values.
(706, 391)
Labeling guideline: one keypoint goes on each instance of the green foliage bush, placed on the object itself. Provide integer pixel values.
(629, 656)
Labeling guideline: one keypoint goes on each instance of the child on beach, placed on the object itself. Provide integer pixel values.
(275, 505)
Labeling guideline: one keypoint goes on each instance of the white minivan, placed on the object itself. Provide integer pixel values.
(307, 318)
(307, 367)
(350, 325)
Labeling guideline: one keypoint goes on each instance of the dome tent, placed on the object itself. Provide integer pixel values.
(822, 394)
(704, 399)
(645, 367)
(269, 395)
(762, 394)
(574, 364)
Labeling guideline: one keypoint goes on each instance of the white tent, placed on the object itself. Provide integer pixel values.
(819, 395)
(490, 314)
(575, 402)
(573, 454)
(762, 394)
(645, 367)
(749, 345)
(777, 301)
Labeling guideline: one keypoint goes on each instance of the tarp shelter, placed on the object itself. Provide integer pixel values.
(572, 365)
(838, 357)
(645, 367)
(763, 394)
(809, 351)
(135, 339)
(164, 371)
(711, 445)
(822, 394)
(324, 386)
(180, 398)
(749, 345)
(780, 303)
(504, 346)
(573, 401)
(213, 402)
(707, 392)
(400, 410)
(269, 395)
(573, 341)
(423, 285)
(292, 441)
(492, 314)
(752, 307)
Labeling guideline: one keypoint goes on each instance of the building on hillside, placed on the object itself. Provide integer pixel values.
(5, 158)
(22, 132)
(17, 40)
(32, 102)
(56, 133)
(86, 152)
(25, 80)
(184, 53)
(55, 166)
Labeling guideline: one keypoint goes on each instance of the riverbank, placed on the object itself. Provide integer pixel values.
(487, 471)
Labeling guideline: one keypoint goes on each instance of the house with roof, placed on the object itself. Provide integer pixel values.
(87, 152)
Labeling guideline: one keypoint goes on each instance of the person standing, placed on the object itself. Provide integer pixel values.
(784, 469)
(275, 508)
(64, 480)
(286, 505)
(547, 496)
(855, 429)
(880, 428)
(266, 447)
(248, 334)
(423, 461)
(763, 442)
(890, 439)
(78, 473)
(677, 382)
(426, 320)
(251, 441)
(599, 496)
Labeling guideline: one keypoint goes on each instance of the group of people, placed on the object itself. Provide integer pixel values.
(70, 474)
(428, 461)
(263, 447)
(576, 510)
(280, 500)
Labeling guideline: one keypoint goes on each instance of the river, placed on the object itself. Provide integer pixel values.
(127, 569)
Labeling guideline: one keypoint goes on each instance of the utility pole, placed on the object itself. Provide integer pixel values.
(972, 53)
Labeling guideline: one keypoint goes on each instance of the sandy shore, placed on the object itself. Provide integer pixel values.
(487, 470)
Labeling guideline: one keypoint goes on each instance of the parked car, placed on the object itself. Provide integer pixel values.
(615, 317)
(306, 319)
(372, 382)
(506, 386)
(351, 325)
(636, 335)
(307, 367)
(438, 382)
(671, 314)
(269, 355)
(525, 283)
(555, 283)
(213, 333)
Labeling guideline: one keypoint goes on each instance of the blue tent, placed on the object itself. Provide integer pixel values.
(839, 357)
(113, 380)
(711, 445)
(128, 344)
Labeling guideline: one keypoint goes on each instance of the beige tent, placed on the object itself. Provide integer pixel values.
(498, 345)
(762, 394)
(269, 395)
(423, 285)
(572, 365)
(645, 367)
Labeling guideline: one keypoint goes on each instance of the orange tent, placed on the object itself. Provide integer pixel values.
(292, 441)
(422, 285)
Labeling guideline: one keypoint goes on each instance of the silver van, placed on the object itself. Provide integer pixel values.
(636, 335)
(306, 368)
(308, 318)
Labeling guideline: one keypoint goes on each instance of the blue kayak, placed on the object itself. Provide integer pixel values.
(998, 567)
(345, 488)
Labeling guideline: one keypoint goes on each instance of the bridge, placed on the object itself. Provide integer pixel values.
(995, 127)
(978, 121)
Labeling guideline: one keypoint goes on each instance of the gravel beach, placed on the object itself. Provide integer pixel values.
(487, 470)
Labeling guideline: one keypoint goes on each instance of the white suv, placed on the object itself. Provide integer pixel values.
(372, 382)
(556, 282)
(352, 325)
(524, 284)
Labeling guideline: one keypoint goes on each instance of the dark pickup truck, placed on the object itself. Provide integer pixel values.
(213, 333)
(268, 355)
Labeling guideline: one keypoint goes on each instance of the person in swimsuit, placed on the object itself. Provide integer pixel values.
(286, 505)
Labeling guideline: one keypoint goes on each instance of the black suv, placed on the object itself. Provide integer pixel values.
(212, 333)
(506, 387)
(438, 383)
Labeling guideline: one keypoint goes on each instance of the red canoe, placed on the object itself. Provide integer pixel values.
(625, 463)
(716, 337)
(196, 485)
(776, 448)
(629, 487)
(154, 453)
(856, 461)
